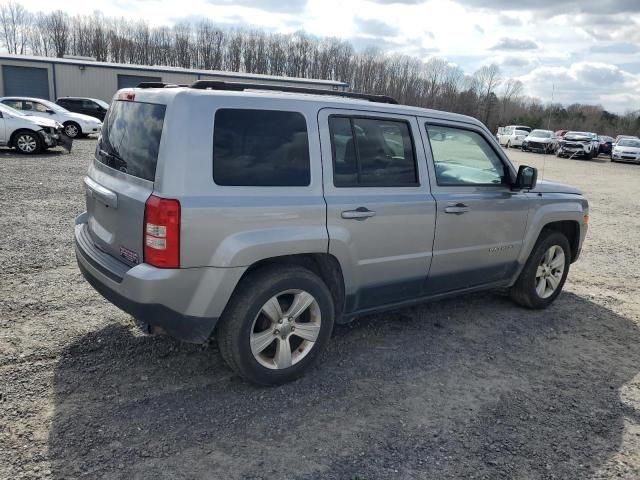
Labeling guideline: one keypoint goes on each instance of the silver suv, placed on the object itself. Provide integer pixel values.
(264, 217)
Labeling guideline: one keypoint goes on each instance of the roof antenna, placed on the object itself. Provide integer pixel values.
(544, 152)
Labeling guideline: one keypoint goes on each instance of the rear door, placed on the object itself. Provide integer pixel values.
(380, 214)
(121, 179)
(481, 222)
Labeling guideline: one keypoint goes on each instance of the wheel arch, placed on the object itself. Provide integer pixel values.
(12, 139)
(571, 230)
(325, 265)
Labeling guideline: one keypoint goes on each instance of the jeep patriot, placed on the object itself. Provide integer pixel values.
(263, 217)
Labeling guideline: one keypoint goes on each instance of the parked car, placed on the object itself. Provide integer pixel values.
(513, 136)
(606, 144)
(578, 145)
(539, 141)
(75, 124)
(620, 137)
(626, 150)
(315, 209)
(30, 135)
(93, 107)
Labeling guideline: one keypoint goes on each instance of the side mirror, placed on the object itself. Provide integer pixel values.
(527, 178)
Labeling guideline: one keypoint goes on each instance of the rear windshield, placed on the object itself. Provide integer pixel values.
(131, 138)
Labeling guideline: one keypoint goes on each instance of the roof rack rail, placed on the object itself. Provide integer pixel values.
(159, 85)
(239, 87)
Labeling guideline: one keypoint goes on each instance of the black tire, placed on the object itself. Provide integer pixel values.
(22, 140)
(524, 290)
(72, 130)
(252, 293)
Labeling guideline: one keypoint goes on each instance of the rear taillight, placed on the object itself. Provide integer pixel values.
(162, 232)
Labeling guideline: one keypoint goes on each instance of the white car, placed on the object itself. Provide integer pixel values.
(512, 135)
(626, 150)
(539, 141)
(75, 124)
(30, 135)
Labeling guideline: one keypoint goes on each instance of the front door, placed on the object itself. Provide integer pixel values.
(380, 214)
(481, 222)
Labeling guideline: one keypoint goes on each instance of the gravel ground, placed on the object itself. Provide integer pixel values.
(473, 387)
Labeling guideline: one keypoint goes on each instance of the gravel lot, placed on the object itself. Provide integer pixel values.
(468, 388)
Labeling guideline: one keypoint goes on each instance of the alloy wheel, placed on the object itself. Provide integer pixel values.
(71, 130)
(550, 271)
(27, 143)
(286, 329)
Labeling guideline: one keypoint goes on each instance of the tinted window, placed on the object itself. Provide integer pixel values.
(131, 138)
(463, 157)
(261, 148)
(372, 153)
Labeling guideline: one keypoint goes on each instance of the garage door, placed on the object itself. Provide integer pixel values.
(130, 81)
(25, 81)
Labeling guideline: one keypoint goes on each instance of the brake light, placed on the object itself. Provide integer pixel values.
(126, 96)
(162, 232)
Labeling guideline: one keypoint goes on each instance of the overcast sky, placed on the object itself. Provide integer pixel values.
(590, 49)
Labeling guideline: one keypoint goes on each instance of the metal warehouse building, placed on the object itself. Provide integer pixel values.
(52, 78)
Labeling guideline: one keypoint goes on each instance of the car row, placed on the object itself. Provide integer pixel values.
(567, 143)
(75, 124)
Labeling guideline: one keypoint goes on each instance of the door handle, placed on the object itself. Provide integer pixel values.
(360, 213)
(457, 208)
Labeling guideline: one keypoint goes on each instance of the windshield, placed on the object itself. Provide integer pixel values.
(53, 106)
(102, 103)
(629, 143)
(578, 134)
(541, 133)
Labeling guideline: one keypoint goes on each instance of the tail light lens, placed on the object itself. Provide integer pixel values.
(162, 232)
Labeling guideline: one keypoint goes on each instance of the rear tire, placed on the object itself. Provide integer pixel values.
(27, 142)
(545, 272)
(72, 130)
(260, 336)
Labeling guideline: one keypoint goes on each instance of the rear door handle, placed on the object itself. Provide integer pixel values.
(457, 208)
(360, 213)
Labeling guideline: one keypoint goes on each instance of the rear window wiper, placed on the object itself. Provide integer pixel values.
(119, 162)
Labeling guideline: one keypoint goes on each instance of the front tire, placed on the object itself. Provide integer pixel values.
(545, 272)
(72, 130)
(276, 324)
(27, 142)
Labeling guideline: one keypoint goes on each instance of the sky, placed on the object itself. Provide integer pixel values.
(585, 51)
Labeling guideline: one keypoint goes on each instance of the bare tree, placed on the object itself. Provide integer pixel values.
(488, 79)
(16, 23)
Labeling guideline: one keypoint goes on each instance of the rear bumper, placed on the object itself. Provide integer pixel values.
(185, 303)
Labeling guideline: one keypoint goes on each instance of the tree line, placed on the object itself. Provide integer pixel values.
(434, 83)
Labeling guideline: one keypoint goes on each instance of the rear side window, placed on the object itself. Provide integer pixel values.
(262, 148)
(131, 138)
(369, 152)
